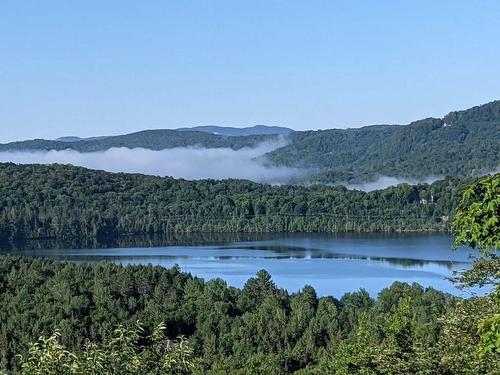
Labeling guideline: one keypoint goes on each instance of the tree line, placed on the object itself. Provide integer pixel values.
(64, 202)
(159, 139)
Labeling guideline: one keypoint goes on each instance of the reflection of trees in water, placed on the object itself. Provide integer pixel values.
(220, 241)
(296, 252)
(146, 240)
(411, 263)
(192, 239)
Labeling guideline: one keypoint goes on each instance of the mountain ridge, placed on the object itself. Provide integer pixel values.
(461, 143)
(230, 131)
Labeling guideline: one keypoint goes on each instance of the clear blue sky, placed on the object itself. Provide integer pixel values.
(102, 67)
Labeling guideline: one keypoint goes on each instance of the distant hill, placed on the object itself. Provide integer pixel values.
(76, 139)
(240, 132)
(69, 139)
(462, 143)
(332, 148)
(151, 139)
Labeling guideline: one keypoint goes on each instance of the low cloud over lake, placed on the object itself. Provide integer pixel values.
(184, 162)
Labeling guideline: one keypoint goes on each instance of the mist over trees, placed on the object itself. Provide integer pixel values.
(462, 143)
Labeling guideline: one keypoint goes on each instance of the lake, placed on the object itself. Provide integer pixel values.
(332, 264)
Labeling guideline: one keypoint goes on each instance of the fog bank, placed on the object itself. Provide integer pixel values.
(191, 163)
(383, 182)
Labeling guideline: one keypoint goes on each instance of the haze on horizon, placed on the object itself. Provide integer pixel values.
(106, 68)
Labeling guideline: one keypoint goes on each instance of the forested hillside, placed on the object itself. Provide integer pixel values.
(260, 329)
(462, 143)
(151, 139)
(235, 132)
(57, 201)
(330, 149)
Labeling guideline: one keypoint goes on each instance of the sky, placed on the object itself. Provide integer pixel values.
(109, 67)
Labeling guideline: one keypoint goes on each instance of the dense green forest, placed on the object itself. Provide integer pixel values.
(332, 149)
(462, 143)
(57, 201)
(102, 318)
(152, 139)
(260, 329)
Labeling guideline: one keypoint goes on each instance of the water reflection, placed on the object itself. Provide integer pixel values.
(312, 253)
(145, 240)
(333, 264)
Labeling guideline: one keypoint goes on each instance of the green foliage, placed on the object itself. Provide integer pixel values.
(471, 335)
(477, 225)
(127, 352)
(65, 202)
(484, 271)
(330, 149)
(489, 333)
(461, 144)
(257, 329)
(151, 139)
(468, 335)
(477, 220)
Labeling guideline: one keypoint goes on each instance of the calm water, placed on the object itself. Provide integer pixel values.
(332, 264)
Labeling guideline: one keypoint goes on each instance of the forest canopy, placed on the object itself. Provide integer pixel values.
(62, 201)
